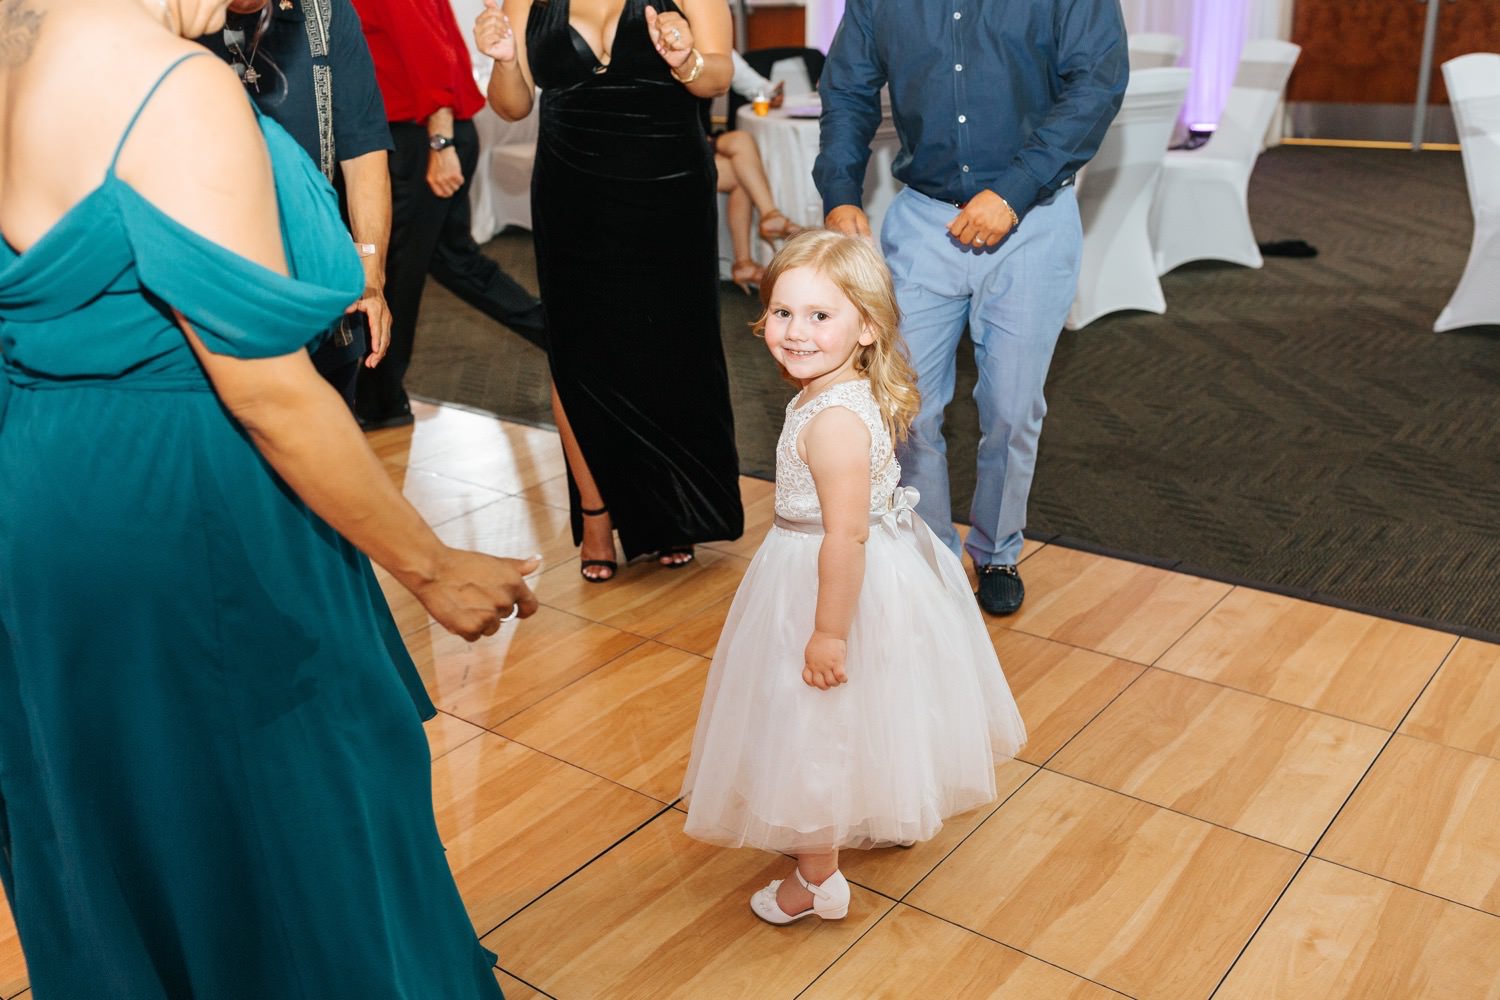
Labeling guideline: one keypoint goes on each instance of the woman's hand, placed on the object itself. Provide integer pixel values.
(493, 35)
(823, 661)
(671, 35)
(471, 592)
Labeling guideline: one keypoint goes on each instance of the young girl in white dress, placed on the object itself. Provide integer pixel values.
(855, 699)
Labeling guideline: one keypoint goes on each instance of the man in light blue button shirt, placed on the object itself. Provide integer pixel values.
(997, 104)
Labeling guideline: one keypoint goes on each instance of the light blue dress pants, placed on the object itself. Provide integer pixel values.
(1014, 298)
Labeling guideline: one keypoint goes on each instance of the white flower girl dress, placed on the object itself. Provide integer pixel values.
(913, 736)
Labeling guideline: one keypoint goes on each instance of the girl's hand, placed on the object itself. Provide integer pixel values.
(492, 34)
(824, 661)
(670, 34)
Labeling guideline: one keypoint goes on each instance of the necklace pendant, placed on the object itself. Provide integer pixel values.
(250, 77)
(285, 4)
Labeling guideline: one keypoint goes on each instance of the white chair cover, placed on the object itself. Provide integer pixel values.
(1201, 210)
(1118, 270)
(792, 75)
(1153, 50)
(789, 147)
(1474, 90)
(500, 194)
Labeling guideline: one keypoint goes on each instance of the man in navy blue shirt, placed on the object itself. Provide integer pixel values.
(997, 106)
(306, 65)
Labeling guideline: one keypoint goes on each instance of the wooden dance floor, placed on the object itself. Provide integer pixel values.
(1227, 793)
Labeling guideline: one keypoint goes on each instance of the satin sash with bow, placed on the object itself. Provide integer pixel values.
(902, 517)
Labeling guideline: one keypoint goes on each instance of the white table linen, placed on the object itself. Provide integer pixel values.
(788, 148)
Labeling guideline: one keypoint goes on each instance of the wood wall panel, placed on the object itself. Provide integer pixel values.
(773, 27)
(1370, 51)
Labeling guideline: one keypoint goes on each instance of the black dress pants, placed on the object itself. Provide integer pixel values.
(430, 235)
(338, 360)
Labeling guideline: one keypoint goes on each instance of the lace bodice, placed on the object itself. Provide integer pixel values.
(796, 496)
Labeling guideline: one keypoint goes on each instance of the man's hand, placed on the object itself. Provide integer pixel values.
(983, 222)
(444, 175)
(849, 220)
(823, 661)
(378, 318)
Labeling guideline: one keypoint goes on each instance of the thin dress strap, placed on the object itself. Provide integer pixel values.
(147, 100)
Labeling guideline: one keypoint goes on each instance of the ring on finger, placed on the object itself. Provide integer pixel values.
(676, 36)
(515, 609)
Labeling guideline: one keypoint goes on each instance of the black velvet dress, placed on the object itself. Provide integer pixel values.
(624, 212)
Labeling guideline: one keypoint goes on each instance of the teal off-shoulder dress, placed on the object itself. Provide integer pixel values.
(213, 778)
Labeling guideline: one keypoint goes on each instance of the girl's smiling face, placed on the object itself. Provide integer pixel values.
(812, 328)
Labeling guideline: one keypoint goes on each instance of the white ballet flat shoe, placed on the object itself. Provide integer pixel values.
(830, 900)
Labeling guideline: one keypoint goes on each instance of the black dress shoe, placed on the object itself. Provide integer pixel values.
(379, 423)
(1000, 589)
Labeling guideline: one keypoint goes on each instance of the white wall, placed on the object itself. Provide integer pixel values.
(1173, 17)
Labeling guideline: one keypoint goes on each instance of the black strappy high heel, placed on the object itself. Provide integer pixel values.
(676, 550)
(609, 564)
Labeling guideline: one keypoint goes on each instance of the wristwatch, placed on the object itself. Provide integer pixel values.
(438, 143)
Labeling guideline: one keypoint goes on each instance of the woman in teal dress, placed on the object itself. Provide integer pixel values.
(213, 778)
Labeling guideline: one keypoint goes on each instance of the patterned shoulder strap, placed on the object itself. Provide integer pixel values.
(318, 19)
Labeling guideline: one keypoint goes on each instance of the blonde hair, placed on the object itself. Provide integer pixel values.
(857, 270)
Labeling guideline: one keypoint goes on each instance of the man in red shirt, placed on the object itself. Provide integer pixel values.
(422, 64)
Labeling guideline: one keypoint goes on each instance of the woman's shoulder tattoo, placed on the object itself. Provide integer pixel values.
(20, 23)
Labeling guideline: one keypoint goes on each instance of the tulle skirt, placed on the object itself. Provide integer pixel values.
(910, 740)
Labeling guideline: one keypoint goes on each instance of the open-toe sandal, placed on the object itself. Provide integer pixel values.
(676, 550)
(747, 274)
(587, 564)
(775, 226)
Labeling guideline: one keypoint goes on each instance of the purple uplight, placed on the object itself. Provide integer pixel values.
(823, 18)
(1212, 50)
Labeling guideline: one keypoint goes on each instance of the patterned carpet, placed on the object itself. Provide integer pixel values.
(1299, 427)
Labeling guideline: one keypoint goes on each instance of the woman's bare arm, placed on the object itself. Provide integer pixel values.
(712, 34)
(223, 190)
(500, 33)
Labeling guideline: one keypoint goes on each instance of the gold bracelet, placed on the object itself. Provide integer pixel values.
(697, 68)
(1015, 220)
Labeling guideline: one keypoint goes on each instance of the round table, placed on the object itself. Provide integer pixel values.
(788, 140)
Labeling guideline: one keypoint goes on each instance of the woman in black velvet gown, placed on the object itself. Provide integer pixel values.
(625, 217)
